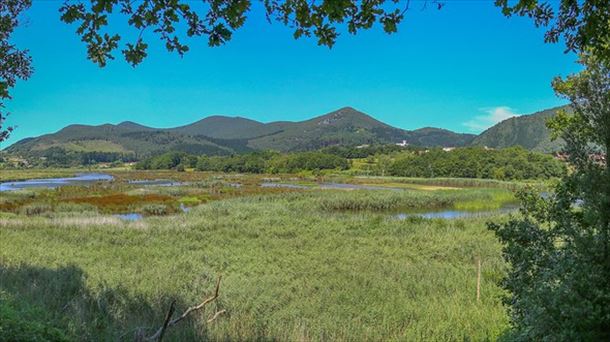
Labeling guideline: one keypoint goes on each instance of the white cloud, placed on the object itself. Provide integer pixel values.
(493, 116)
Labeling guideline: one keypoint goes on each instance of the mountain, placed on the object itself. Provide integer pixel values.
(125, 138)
(225, 135)
(529, 131)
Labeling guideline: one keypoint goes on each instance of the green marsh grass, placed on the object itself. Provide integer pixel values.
(292, 270)
(467, 199)
(453, 182)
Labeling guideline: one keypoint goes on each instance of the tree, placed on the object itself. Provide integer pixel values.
(582, 24)
(218, 19)
(559, 250)
(14, 63)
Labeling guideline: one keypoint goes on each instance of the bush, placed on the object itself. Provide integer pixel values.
(35, 209)
(155, 209)
(13, 327)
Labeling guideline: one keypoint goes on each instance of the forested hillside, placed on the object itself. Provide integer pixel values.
(528, 131)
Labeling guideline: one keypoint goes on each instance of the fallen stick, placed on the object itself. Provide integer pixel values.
(158, 336)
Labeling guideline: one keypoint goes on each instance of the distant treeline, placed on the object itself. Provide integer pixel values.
(60, 157)
(368, 150)
(255, 162)
(472, 162)
(513, 163)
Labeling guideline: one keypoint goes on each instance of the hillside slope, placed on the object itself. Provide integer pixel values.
(529, 131)
(130, 139)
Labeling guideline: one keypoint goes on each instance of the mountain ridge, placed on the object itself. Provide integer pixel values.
(220, 134)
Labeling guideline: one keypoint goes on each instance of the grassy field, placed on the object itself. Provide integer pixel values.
(296, 265)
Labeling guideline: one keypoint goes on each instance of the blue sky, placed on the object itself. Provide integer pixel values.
(463, 68)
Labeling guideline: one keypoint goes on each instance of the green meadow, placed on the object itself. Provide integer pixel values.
(304, 265)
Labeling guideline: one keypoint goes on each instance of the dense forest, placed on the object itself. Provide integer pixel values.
(256, 162)
(60, 157)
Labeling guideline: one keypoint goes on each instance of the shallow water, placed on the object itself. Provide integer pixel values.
(138, 216)
(156, 182)
(327, 186)
(130, 216)
(346, 186)
(79, 179)
(454, 214)
(283, 185)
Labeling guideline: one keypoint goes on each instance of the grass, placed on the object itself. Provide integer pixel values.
(295, 268)
(467, 199)
(452, 182)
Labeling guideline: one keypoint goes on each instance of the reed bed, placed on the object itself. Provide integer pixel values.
(411, 200)
(294, 268)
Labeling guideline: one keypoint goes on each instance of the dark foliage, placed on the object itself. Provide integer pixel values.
(15, 64)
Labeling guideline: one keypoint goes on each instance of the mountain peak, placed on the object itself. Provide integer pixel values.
(348, 116)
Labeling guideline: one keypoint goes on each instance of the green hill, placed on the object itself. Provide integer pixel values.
(529, 131)
(124, 138)
(225, 135)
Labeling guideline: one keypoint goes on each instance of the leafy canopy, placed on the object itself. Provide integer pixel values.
(581, 23)
(14, 63)
(218, 19)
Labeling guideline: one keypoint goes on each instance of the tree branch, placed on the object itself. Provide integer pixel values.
(158, 336)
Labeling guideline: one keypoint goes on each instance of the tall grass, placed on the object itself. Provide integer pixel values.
(292, 271)
(477, 199)
(458, 182)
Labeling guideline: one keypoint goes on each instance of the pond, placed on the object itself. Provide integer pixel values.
(156, 182)
(455, 214)
(346, 186)
(283, 185)
(79, 179)
(328, 186)
(138, 216)
(130, 216)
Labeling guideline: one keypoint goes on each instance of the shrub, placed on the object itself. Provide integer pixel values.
(35, 209)
(154, 209)
(14, 327)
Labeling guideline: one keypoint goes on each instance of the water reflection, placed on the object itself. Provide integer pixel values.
(455, 214)
(130, 216)
(79, 179)
(156, 182)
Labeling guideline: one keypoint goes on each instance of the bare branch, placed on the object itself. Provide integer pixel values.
(216, 315)
(170, 323)
(170, 313)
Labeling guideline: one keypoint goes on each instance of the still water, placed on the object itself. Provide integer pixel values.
(79, 179)
(455, 214)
